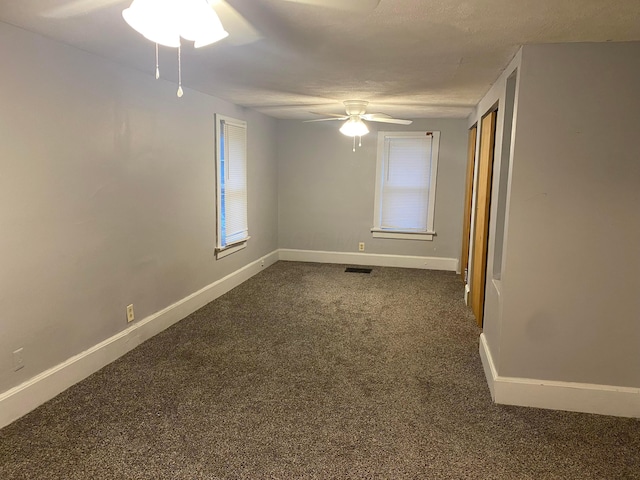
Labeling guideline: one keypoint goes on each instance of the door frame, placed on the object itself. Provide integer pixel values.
(468, 200)
(482, 212)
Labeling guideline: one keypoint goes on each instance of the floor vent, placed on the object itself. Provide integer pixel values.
(358, 270)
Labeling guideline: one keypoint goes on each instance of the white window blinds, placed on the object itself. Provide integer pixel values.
(232, 181)
(405, 193)
(405, 188)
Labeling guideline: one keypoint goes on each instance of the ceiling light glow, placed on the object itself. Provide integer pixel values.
(354, 127)
(165, 21)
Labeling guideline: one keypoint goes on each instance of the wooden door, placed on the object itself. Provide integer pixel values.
(483, 204)
(468, 196)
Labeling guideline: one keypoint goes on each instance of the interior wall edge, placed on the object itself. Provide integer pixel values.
(20, 400)
(495, 91)
(558, 395)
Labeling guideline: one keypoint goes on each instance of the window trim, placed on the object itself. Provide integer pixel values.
(220, 250)
(377, 231)
(402, 235)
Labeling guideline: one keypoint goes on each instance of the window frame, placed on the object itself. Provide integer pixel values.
(379, 232)
(222, 251)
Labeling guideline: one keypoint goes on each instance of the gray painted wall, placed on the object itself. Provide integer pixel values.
(326, 192)
(570, 303)
(107, 198)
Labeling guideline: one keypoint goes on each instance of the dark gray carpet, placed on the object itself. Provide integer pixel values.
(306, 371)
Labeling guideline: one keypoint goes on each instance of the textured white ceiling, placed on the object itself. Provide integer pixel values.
(408, 58)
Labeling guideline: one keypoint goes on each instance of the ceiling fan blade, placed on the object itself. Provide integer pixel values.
(325, 119)
(76, 8)
(241, 32)
(336, 115)
(361, 6)
(383, 118)
(371, 116)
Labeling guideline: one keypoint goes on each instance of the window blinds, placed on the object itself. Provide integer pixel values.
(406, 183)
(234, 183)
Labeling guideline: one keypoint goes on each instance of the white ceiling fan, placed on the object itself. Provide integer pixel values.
(166, 22)
(241, 32)
(354, 125)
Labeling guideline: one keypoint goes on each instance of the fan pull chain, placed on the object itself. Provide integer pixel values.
(180, 92)
(157, 65)
(354, 143)
(360, 140)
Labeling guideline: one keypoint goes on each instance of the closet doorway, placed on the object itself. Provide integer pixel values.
(483, 205)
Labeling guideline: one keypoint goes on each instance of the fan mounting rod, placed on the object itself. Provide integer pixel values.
(355, 107)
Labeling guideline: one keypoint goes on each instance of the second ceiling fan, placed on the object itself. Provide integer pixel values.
(354, 120)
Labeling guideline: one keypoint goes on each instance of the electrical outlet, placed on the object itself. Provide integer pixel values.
(18, 359)
(130, 316)
(361, 246)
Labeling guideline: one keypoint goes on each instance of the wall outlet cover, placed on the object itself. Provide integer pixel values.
(18, 359)
(130, 316)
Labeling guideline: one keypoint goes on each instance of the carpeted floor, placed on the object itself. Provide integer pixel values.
(306, 371)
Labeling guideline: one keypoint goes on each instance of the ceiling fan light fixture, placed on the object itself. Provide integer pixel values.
(354, 127)
(165, 21)
(154, 20)
(201, 24)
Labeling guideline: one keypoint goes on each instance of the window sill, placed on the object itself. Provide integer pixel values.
(222, 252)
(398, 235)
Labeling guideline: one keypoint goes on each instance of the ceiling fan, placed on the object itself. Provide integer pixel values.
(241, 32)
(354, 125)
(165, 22)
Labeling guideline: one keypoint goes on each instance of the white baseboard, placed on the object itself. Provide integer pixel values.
(373, 259)
(570, 396)
(20, 400)
(602, 399)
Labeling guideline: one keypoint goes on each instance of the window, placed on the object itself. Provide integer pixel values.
(231, 185)
(406, 185)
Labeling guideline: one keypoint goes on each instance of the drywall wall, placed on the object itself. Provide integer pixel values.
(570, 282)
(107, 198)
(326, 191)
